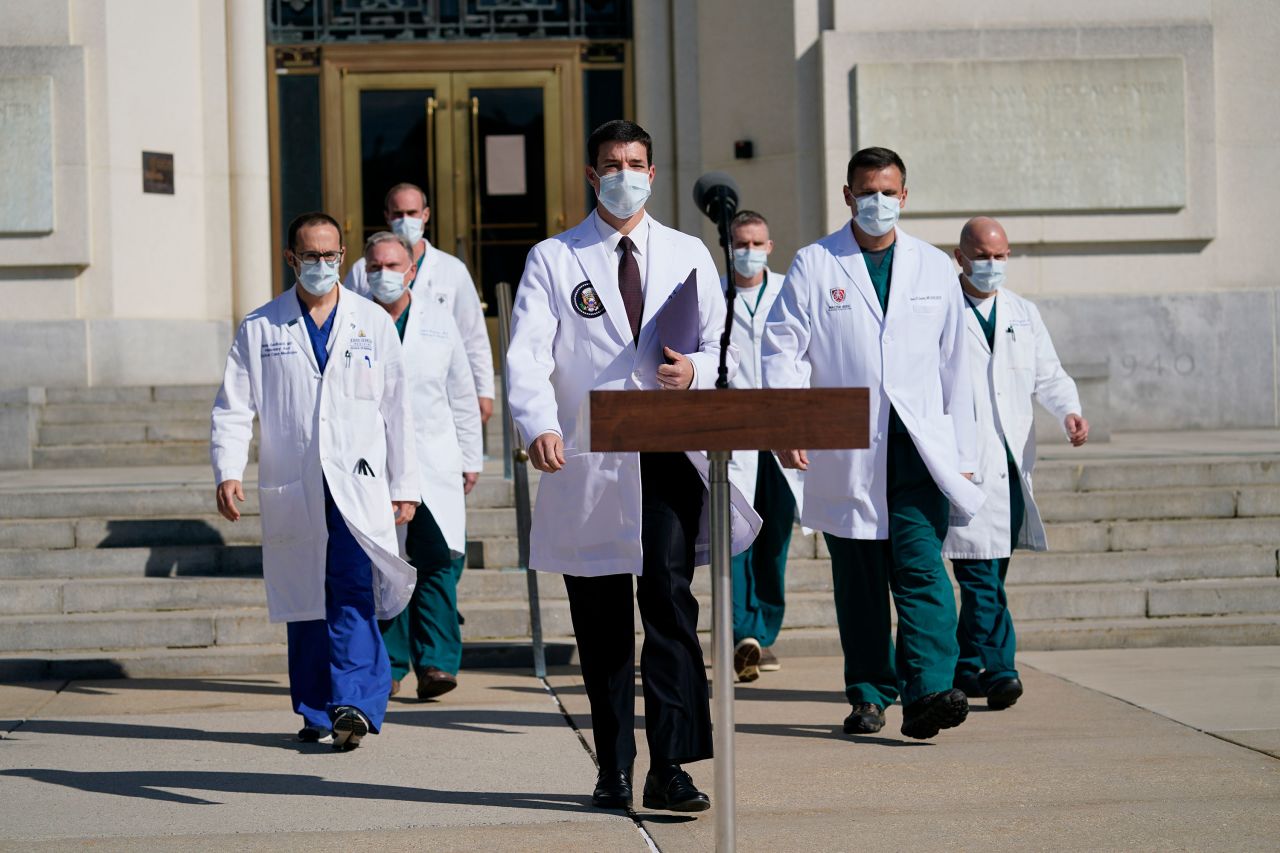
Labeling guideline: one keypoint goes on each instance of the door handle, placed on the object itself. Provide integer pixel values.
(433, 185)
(475, 189)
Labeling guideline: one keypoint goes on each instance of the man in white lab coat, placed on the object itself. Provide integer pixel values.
(583, 320)
(1011, 362)
(426, 636)
(337, 471)
(869, 305)
(440, 277)
(759, 573)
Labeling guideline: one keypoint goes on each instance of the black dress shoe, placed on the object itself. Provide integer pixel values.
(1003, 693)
(929, 714)
(672, 789)
(866, 718)
(613, 789)
(969, 683)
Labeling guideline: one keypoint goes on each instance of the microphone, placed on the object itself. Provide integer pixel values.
(716, 195)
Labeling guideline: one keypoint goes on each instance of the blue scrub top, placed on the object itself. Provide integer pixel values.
(319, 335)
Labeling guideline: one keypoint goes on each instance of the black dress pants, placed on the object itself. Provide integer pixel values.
(677, 712)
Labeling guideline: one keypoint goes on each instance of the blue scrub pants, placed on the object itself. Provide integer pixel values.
(759, 573)
(340, 660)
(985, 633)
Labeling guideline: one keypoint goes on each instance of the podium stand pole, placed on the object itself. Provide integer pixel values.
(722, 673)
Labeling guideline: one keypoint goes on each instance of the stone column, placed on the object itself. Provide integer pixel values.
(248, 164)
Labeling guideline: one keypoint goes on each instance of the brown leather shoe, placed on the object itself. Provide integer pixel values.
(434, 683)
(768, 660)
(395, 686)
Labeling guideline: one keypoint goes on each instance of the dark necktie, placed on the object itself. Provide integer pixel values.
(629, 285)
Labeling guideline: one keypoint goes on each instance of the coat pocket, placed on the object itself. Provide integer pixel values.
(284, 514)
(365, 380)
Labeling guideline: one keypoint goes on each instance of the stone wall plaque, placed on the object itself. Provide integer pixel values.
(26, 155)
(1030, 136)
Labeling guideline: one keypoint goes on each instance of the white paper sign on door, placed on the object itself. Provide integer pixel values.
(504, 158)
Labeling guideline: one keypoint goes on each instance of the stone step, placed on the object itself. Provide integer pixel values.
(1214, 597)
(37, 597)
(1139, 504)
(144, 663)
(132, 394)
(171, 561)
(1169, 473)
(124, 455)
(168, 501)
(145, 411)
(62, 435)
(1131, 633)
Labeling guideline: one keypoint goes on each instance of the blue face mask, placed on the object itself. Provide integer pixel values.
(623, 193)
(986, 275)
(318, 278)
(386, 285)
(876, 214)
(748, 263)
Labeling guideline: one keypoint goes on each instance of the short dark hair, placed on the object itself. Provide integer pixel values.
(404, 185)
(315, 217)
(875, 159)
(618, 130)
(747, 217)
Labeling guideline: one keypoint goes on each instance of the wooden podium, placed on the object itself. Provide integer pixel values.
(720, 422)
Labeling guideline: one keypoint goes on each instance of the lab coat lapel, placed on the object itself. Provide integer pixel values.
(849, 256)
(975, 328)
(596, 264)
(902, 276)
(662, 275)
(291, 318)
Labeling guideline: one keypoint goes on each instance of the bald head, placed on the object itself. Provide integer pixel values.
(984, 237)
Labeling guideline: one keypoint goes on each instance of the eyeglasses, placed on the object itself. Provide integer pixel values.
(316, 257)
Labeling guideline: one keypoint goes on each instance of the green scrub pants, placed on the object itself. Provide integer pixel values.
(427, 633)
(985, 634)
(909, 563)
(759, 573)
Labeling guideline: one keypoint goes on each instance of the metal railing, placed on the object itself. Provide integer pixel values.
(515, 461)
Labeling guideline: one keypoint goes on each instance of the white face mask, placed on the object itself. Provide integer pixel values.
(408, 228)
(987, 274)
(386, 285)
(877, 214)
(624, 192)
(318, 278)
(748, 263)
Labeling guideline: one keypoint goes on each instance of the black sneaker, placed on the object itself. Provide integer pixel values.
(867, 718)
(969, 683)
(349, 727)
(929, 714)
(1003, 693)
(314, 734)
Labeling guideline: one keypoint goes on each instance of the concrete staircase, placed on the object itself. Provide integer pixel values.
(128, 571)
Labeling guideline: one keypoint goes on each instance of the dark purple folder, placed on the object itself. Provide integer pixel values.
(679, 325)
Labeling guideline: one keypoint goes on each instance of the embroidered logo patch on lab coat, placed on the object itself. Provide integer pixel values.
(837, 294)
(586, 302)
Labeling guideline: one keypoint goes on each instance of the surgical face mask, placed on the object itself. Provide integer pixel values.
(386, 285)
(408, 228)
(749, 262)
(318, 278)
(877, 214)
(623, 193)
(987, 274)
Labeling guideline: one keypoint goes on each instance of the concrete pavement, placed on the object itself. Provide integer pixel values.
(209, 764)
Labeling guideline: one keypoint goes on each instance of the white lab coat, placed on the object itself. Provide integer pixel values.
(447, 283)
(827, 330)
(748, 331)
(1023, 367)
(446, 415)
(588, 514)
(314, 430)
